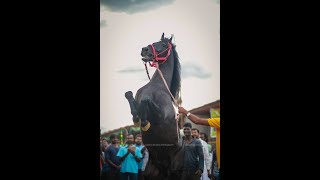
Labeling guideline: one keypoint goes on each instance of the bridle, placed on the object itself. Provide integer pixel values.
(156, 57)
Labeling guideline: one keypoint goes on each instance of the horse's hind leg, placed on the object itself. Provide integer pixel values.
(133, 106)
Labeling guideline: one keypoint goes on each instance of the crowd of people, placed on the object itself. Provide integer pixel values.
(123, 162)
(128, 162)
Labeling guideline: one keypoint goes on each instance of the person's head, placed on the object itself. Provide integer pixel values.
(102, 147)
(114, 139)
(187, 129)
(195, 133)
(138, 139)
(204, 136)
(130, 139)
(105, 142)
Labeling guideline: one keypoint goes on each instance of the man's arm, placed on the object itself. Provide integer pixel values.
(137, 155)
(195, 119)
(108, 158)
(199, 152)
(137, 158)
(124, 156)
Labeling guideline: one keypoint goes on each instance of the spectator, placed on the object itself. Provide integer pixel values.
(212, 122)
(193, 157)
(207, 161)
(112, 159)
(129, 158)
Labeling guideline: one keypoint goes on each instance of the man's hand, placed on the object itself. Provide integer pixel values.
(182, 110)
(118, 167)
(132, 150)
(198, 172)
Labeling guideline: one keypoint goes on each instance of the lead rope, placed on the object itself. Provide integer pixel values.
(165, 83)
(145, 65)
(173, 99)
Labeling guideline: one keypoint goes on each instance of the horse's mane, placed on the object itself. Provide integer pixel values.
(176, 76)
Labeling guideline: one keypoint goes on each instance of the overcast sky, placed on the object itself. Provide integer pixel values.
(127, 26)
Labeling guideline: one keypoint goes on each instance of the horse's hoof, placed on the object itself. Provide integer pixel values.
(128, 95)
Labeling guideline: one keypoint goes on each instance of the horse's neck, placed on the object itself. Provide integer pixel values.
(167, 72)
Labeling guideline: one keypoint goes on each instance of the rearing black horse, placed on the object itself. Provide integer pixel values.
(153, 106)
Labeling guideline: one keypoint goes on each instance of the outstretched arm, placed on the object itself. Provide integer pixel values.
(195, 119)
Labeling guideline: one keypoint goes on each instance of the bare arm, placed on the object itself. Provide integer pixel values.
(112, 164)
(134, 155)
(195, 119)
(124, 156)
(137, 158)
(107, 158)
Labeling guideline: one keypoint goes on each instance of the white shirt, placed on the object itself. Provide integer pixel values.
(207, 162)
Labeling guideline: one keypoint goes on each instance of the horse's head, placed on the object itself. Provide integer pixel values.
(157, 51)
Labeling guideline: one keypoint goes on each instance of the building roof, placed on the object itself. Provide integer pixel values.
(126, 128)
(115, 130)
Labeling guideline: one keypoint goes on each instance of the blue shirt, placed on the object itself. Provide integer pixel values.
(129, 164)
(141, 162)
(111, 154)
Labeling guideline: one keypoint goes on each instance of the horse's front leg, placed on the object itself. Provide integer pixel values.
(133, 107)
(148, 108)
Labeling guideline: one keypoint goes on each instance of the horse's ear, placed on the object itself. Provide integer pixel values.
(162, 37)
(170, 40)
